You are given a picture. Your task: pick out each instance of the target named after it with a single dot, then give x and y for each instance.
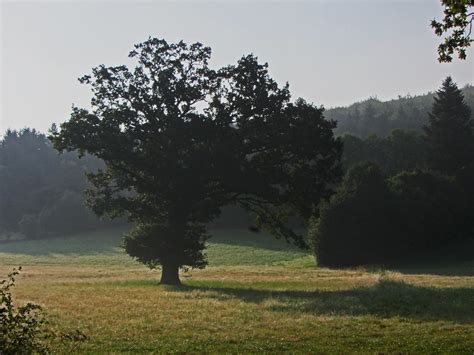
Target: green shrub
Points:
(430, 210)
(354, 227)
(370, 220)
(20, 327)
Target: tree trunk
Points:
(170, 275)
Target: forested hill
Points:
(380, 118)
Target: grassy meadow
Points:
(257, 294)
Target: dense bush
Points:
(431, 210)
(370, 220)
(465, 178)
(354, 226)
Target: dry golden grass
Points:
(254, 309)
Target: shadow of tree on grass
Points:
(385, 299)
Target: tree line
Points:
(374, 117)
(41, 191)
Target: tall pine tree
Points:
(450, 130)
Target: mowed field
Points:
(257, 294)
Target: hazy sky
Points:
(331, 52)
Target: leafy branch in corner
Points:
(456, 26)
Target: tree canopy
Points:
(181, 140)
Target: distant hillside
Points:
(376, 117)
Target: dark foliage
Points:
(450, 132)
(456, 26)
(354, 227)
(181, 141)
(464, 179)
(401, 150)
(144, 245)
(431, 211)
(370, 220)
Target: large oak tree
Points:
(181, 140)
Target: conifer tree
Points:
(450, 130)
